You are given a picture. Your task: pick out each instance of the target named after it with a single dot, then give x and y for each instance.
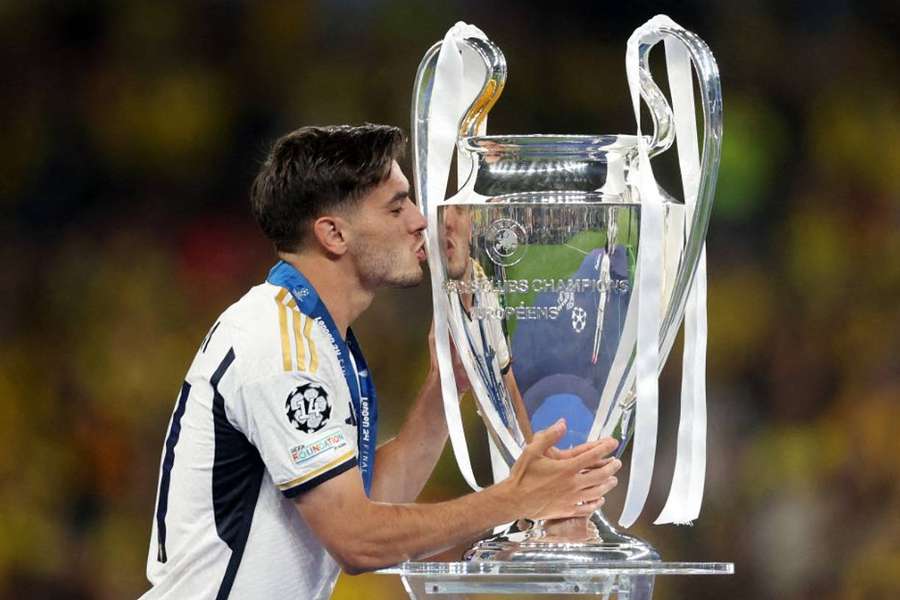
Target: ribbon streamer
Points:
(649, 301)
(685, 495)
(449, 102)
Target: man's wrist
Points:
(504, 500)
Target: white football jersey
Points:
(263, 415)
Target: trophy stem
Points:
(575, 529)
(582, 540)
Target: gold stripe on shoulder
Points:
(299, 336)
(313, 355)
(282, 326)
(298, 339)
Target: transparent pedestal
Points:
(619, 580)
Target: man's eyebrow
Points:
(399, 197)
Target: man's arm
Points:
(364, 535)
(403, 464)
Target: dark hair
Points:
(317, 169)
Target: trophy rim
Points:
(552, 143)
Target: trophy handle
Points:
(472, 119)
(660, 112)
(495, 70)
(438, 122)
(711, 100)
(421, 102)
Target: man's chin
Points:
(407, 280)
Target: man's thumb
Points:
(543, 440)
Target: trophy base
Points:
(577, 540)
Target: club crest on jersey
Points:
(308, 407)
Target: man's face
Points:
(457, 231)
(388, 244)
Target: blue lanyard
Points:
(356, 372)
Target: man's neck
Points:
(338, 287)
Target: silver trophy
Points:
(535, 265)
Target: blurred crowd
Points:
(132, 130)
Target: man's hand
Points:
(548, 483)
(362, 534)
(459, 372)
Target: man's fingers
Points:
(593, 477)
(592, 494)
(543, 440)
(573, 451)
(587, 509)
(595, 455)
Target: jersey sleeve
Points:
(303, 427)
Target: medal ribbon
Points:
(359, 381)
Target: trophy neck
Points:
(516, 164)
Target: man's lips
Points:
(420, 253)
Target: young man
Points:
(270, 481)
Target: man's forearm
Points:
(414, 531)
(362, 534)
(403, 465)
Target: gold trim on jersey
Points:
(299, 335)
(304, 478)
(282, 326)
(313, 355)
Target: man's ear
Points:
(330, 231)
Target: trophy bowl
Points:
(534, 263)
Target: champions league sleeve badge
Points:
(308, 407)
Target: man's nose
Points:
(419, 222)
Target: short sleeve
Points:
(303, 427)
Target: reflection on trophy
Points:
(560, 258)
(485, 341)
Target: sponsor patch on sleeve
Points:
(333, 439)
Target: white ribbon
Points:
(683, 503)
(649, 301)
(451, 95)
(686, 493)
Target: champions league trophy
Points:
(555, 257)
(563, 274)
